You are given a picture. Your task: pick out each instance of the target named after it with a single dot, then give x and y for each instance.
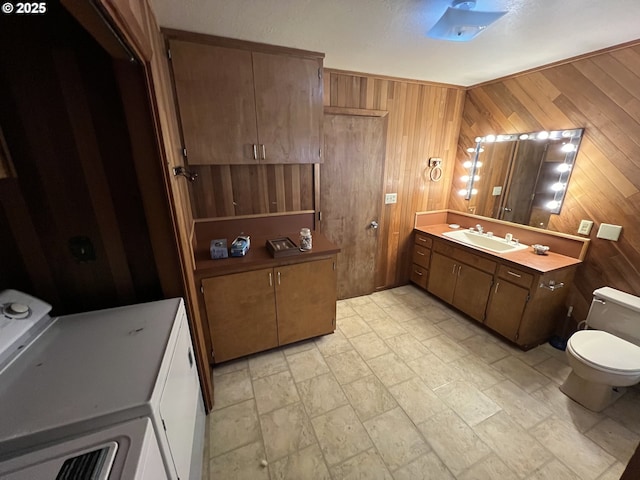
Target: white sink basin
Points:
(495, 244)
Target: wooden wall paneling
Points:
(601, 93)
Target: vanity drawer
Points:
(421, 256)
(463, 256)
(419, 276)
(516, 276)
(423, 240)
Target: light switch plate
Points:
(390, 198)
(497, 191)
(609, 232)
(585, 227)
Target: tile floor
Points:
(407, 388)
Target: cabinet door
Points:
(505, 309)
(242, 313)
(306, 296)
(214, 86)
(472, 291)
(288, 93)
(442, 277)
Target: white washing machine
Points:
(81, 379)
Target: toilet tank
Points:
(615, 312)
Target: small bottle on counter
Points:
(305, 239)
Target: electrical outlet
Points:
(390, 198)
(585, 227)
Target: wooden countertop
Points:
(525, 258)
(258, 256)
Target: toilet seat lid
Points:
(606, 351)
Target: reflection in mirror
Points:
(520, 178)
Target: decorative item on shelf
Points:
(240, 246)
(282, 247)
(218, 248)
(306, 242)
(540, 249)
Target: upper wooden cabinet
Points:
(241, 105)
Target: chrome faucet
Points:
(479, 228)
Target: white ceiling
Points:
(388, 37)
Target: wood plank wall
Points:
(423, 122)
(602, 94)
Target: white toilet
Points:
(606, 357)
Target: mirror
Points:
(520, 178)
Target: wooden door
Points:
(351, 196)
(241, 311)
(306, 296)
(214, 86)
(505, 308)
(288, 96)
(472, 291)
(442, 277)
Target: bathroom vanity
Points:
(517, 294)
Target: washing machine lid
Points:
(606, 351)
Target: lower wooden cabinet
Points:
(505, 308)
(257, 310)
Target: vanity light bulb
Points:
(543, 135)
(478, 139)
(462, 192)
(464, 178)
(556, 187)
(471, 149)
(564, 167)
(490, 138)
(478, 164)
(553, 204)
(524, 136)
(467, 164)
(473, 191)
(568, 147)
(476, 178)
(480, 150)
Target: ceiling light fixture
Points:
(460, 23)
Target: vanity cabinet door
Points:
(442, 277)
(505, 309)
(472, 291)
(241, 310)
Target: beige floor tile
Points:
(454, 441)
(565, 408)
(387, 327)
(531, 357)
(307, 463)
(385, 298)
(366, 465)
(396, 438)
(400, 313)
(333, 344)
(307, 364)
(230, 366)
(521, 374)
(467, 401)
(240, 464)
(434, 313)
(456, 329)
(407, 347)
(340, 434)
(516, 448)
(353, 326)
(476, 372)
(301, 346)
(348, 366)
(267, 363)
(626, 410)
(583, 456)
(526, 410)
(286, 431)
(445, 349)
(232, 388)
(275, 391)
(554, 470)
(614, 472)
(369, 345)
(421, 329)
(426, 467)
(344, 310)
(433, 372)
(321, 394)
(489, 468)
(488, 350)
(361, 300)
(370, 311)
(615, 439)
(554, 369)
(369, 397)
(417, 400)
(232, 427)
(390, 369)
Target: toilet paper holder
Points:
(552, 285)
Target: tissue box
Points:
(240, 246)
(218, 248)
